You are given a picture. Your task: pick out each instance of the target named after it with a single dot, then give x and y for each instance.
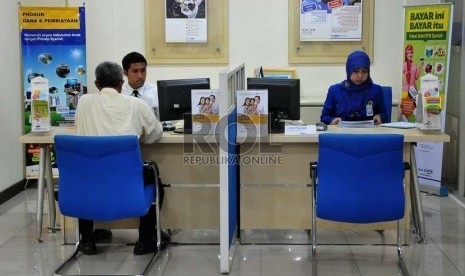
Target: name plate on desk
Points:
(300, 129)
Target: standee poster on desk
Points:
(426, 53)
(205, 111)
(53, 46)
(252, 113)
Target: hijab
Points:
(357, 60)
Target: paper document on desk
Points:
(358, 124)
(400, 125)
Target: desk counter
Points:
(275, 193)
(410, 135)
(167, 138)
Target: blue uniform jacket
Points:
(351, 105)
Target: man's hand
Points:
(377, 119)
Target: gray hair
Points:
(109, 74)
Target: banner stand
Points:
(426, 54)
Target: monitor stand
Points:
(276, 130)
(178, 130)
(276, 125)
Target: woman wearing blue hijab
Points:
(357, 98)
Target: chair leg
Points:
(73, 256)
(400, 251)
(313, 174)
(157, 216)
(153, 167)
(157, 212)
(313, 231)
(68, 261)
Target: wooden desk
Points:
(277, 194)
(192, 199)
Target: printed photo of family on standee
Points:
(252, 102)
(205, 111)
(253, 105)
(252, 112)
(205, 105)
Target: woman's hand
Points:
(336, 121)
(377, 119)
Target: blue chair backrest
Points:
(100, 177)
(387, 96)
(360, 177)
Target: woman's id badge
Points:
(369, 108)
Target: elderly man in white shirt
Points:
(108, 112)
(135, 70)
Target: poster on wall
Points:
(53, 46)
(424, 83)
(335, 20)
(186, 21)
(205, 111)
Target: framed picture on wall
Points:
(178, 32)
(279, 73)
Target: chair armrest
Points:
(152, 165)
(406, 167)
(313, 170)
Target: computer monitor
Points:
(174, 96)
(283, 96)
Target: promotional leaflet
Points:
(252, 113)
(40, 105)
(186, 21)
(205, 111)
(337, 20)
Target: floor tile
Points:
(263, 252)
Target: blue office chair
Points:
(101, 178)
(359, 179)
(387, 97)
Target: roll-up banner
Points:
(424, 84)
(53, 42)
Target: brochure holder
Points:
(40, 105)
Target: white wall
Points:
(257, 36)
(11, 160)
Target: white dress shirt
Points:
(148, 92)
(111, 113)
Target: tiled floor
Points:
(443, 254)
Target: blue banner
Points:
(53, 41)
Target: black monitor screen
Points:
(174, 96)
(283, 95)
